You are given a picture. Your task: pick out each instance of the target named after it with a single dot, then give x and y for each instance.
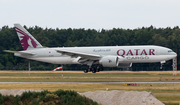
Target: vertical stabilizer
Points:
(26, 39)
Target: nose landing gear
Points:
(161, 67)
(162, 62)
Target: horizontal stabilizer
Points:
(19, 52)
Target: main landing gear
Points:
(94, 70)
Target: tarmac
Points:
(89, 82)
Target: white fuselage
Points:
(127, 54)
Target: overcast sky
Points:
(93, 14)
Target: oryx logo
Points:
(110, 60)
(25, 39)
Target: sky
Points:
(93, 14)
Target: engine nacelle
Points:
(114, 61)
(124, 65)
(109, 61)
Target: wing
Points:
(83, 58)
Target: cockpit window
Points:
(170, 51)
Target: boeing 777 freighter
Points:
(107, 56)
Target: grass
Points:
(115, 76)
(168, 93)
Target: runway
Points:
(88, 82)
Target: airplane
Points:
(107, 56)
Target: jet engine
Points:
(109, 61)
(114, 61)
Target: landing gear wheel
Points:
(86, 71)
(93, 70)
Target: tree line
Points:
(48, 37)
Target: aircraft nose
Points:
(171, 54)
(174, 54)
